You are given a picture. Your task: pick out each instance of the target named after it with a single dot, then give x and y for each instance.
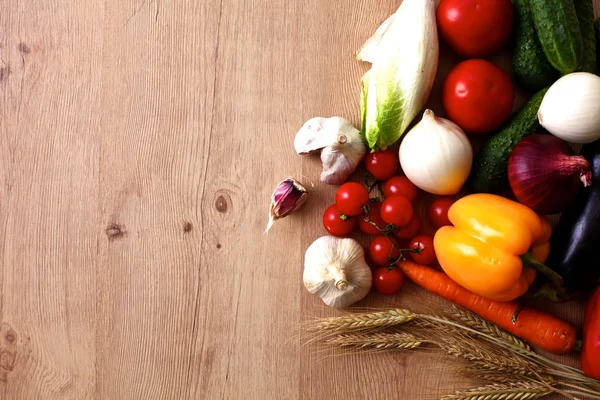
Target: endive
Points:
(404, 53)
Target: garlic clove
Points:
(316, 134)
(342, 144)
(288, 197)
(335, 270)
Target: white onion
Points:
(571, 108)
(436, 155)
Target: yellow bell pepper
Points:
(486, 248)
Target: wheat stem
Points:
(582, 389)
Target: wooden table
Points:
(140, 142)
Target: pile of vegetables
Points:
(493, 246)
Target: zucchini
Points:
(532, 69)
(489, 171)
(585, 14)
(558, 30)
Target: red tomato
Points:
(438, 212)
(382, 164)
(397, 210)
(388, 281)
(427, 254)
(374, 216)
(475, 28)
(350, 198)
(335, 225)
(410, 230)
(477, 96)
(400, 185)
(382, 252)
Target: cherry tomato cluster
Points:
(388, 221)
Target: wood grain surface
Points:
(140, 141)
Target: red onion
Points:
(545, 174)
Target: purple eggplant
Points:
(575, 245)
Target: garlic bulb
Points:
(335, 270)
(570, 109)
(436, 155)
(343, 147)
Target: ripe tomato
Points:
(388, 281)
(350, 198)
(475, 28)
(478, 96)
(397, 210)
(427, 254)
(335, 225)
(374, 216)
(382, 164)
(381, 251)
(400, 185)
(410, 230)
(438, 212)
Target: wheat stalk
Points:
(362, 321)
(484, 326)
(379, 341)
(502, 391)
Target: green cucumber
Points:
(558, 29)
(489, 172)
(532, 69)
(585, 14)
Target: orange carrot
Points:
(538, 328)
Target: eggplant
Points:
(575, 244)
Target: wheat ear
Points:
(476, 322)
(364, 321)
(379, 341)
(502, 391)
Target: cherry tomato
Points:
(374, 216)
(397, 210)
(400, 185)
(410, 230)
(477, 96)
(350, 198)
(438, 212)
(335, 224)
(381, 251)
(427, 254)
(382, 164)
(388, 281)
(475, 28)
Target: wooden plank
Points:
(157, 107)
(49, 175)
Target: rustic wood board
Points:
(140, 142)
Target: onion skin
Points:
(545, 174)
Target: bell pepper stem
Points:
(578, 345)
(530, 261)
